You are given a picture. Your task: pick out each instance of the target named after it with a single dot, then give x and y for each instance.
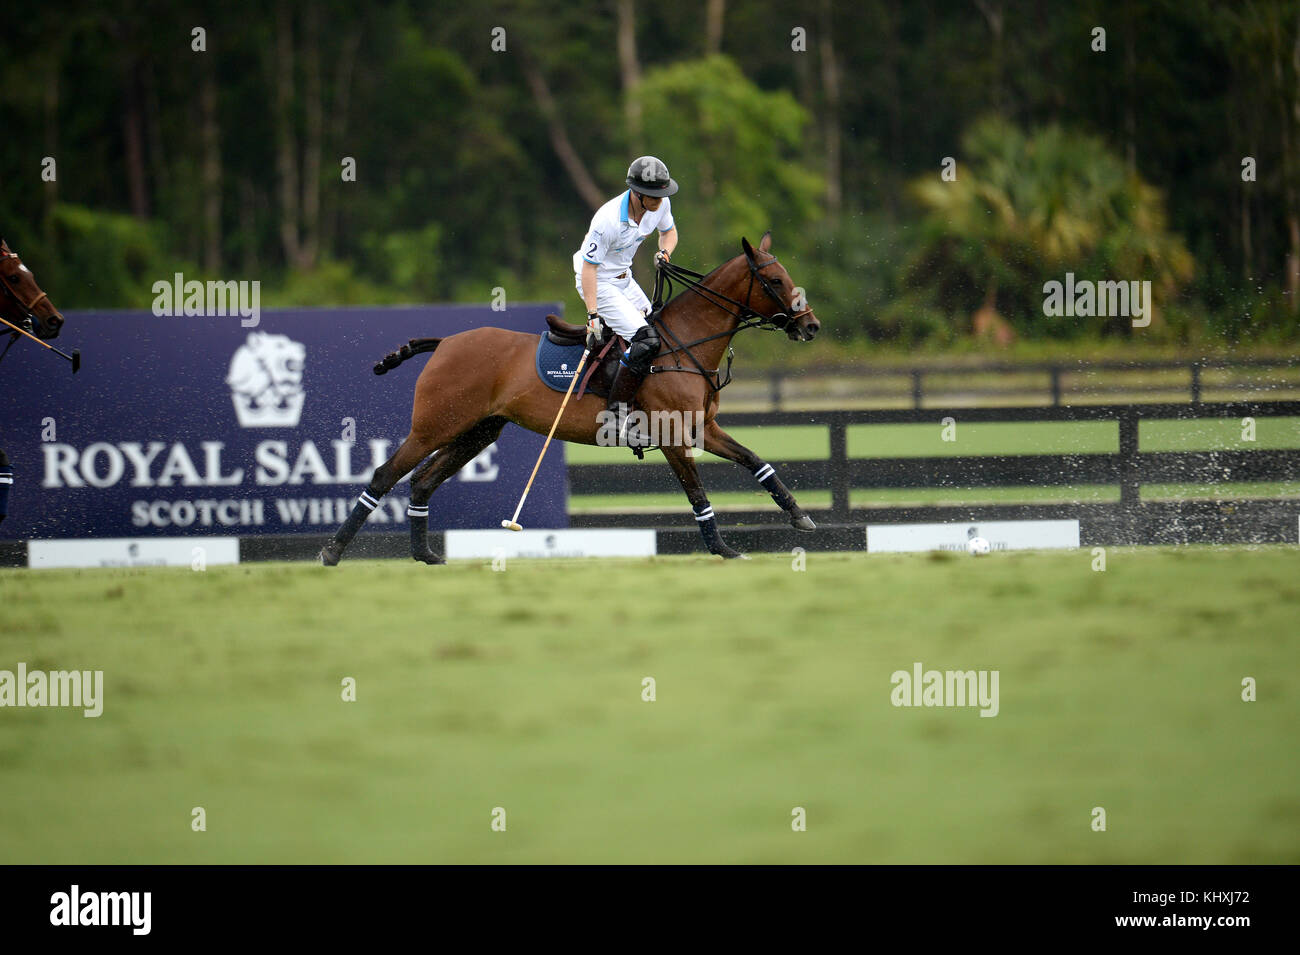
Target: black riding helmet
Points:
(649, 177)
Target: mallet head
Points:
(512, 526)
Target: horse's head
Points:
(22, 299)
(773, 293)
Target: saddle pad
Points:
(556, 364)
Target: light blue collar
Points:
(622, 212)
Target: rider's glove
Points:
(594, 331)
(660, 258)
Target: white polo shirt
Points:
(612, 240)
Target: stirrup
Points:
(627, 435)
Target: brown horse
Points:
(23, 305)
(478, 380)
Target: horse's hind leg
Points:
(717, 441)
(411, 452)
(689, 477)
(437, 469)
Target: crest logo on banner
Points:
(265, 381)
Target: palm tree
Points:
(1024, 209)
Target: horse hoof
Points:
(726, 553)
(331, 554)
(802, 522)
(429, 557)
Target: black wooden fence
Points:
(1129, 466)
(913, 381)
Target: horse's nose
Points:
(55, 320)
(812, 328)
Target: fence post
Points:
(1129, 483)
(1196, 382)
(1056, 385)
(916, 388)
(776, 391)
(839, 465)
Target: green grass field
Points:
(479, 689)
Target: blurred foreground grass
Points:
(478, 689)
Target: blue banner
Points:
(197, 425)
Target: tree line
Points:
(408, 151)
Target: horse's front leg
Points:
(717, 441)
(689, 477)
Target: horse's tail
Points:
(416, 346)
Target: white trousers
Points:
(621, 304)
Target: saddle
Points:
(573, 338)
(562, 333)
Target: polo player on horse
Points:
(603, 275)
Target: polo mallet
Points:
(513, 524)
(75, 357)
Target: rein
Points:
(13, 337)
(746, 315)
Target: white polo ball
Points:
(977, 546)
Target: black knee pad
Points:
(643, 349)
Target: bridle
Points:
(28, 307)
(756, 274)
(747, 316)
